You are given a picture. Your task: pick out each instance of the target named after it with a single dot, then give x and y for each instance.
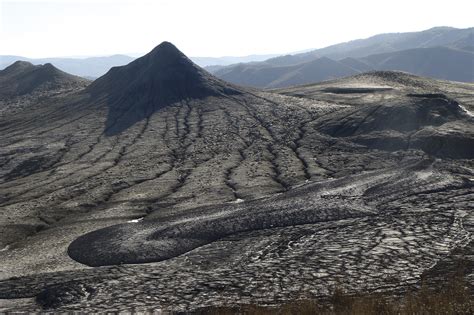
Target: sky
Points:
(210, 28)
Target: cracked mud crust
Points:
(238, 196)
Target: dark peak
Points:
(18, 66)
(166, 47)
(49, 72)
(22, 67)
(162, 77)
(49, 66)
(165, 55)
(22, 77)
(22, 63)
(50, 69)
(164, 72)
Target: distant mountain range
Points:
(89, 68)
(94, 67)
(441, 52)
(228, 60)
(385, 43)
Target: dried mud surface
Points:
(235, 198)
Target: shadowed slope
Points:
(162, 77)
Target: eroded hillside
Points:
(221, 194)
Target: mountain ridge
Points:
(387, 42)
(162, 77)
(357, 54)
(23, 77)
(431, 62)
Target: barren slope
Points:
(231, 195)
(24, 78)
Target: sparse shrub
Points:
(455, 297)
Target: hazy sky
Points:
(211, 27)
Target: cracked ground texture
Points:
(249, 197)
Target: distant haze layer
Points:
(440, 52)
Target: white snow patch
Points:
(135, 220)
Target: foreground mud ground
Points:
(252, 198)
